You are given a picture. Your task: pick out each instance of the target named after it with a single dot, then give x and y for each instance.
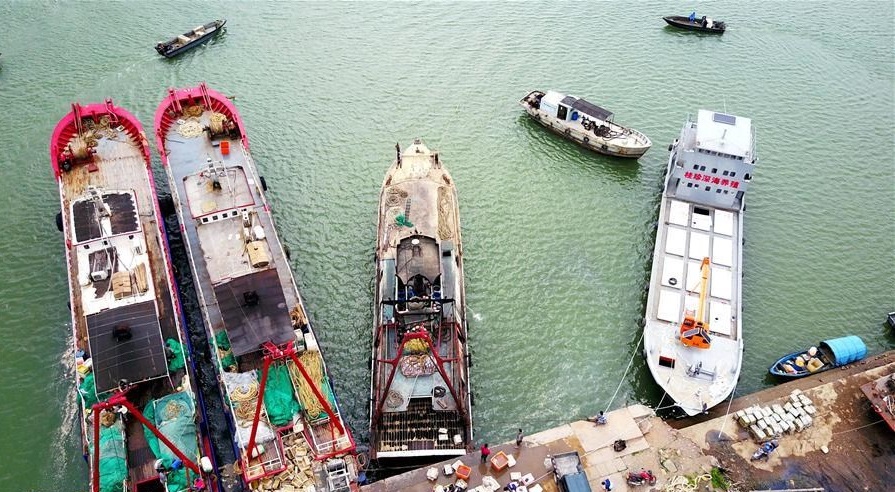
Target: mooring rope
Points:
(634, 354)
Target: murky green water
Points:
(558, 240)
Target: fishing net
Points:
(279, 397)
(313, 365)
(178, 361)
(416, 346)
(228, 360)
(242, 390)
(417, 365)
(112, 457)
(174, 416)
(190, 129)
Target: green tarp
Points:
(175, 417)
(279, 397)
(112, 456)
(223, 343)
(178, 362)
(87, 390)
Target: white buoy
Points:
(205, 463)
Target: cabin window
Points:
(702, 168)
(696, 167)
(725, 192)
(666, 361)
(562, 112)
(204, 220)
(724, 173)
(733, 173)
(708, 188)
(717, 190)
(689, 185)
(714, 170)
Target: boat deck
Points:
(687, 234)
(418, 411)
(214, 230)
(122, 236)
(242, 276)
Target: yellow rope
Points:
(195, 110)
(313, 365)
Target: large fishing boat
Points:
(693, 339)
(136, 393)
(585, 123)
(272, 374)
(420, 398)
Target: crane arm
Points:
(703, 292)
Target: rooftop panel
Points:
(137, 354)
(251, 320)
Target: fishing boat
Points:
(288, 426)
(133, 370)
(703, 24)
(420, 393)
(692, 336)
(190, 39)
(881, 395)
(827, 355)
(584, 123)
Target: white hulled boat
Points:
(693, 340)
(585, 123)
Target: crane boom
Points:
(694, 330)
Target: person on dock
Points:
(485, 452)
(607, 485)
(519, 437)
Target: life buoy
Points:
(568, 131)
(586, 140)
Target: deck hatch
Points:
(254, 311)
(136, 358)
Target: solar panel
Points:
(725, 118)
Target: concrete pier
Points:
(847, 447)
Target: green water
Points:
(558, 239)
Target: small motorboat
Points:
(703, 24)
(189, 39)
(832, 353)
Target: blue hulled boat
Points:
(829, 354)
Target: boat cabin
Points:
(714, 161)
(117, 294)
(571, 108)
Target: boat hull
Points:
(249, 300)
(423, 195)
(121, 163)
(585, 138)
(192, 44)
(685, 23)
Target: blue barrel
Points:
(846, 350)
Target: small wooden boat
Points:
(703, 24)
(829, 354)
(189, 39)
(585, 123)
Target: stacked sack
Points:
(765, 422)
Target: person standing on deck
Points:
(485, 452)
(519, 437)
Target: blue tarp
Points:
(576, 482)
(846, 350)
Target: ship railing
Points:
(327, 449)
(265, 466)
